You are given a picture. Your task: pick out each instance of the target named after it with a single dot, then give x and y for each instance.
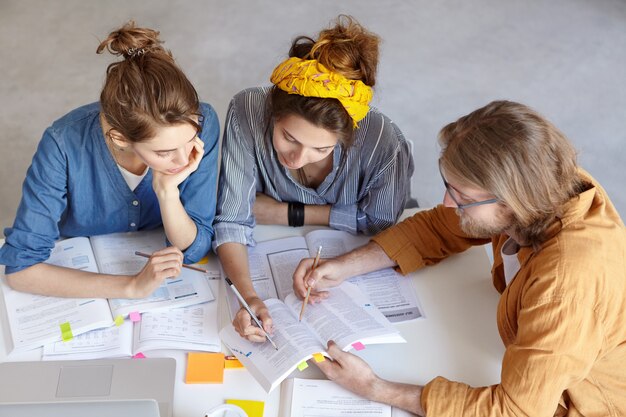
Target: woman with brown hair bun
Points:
(309, 150)
(145, 155)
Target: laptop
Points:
(102, 388)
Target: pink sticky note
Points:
(134, 316)
(139, 355)
(358, 346)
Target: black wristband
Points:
(295, 214)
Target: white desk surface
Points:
(458, 339)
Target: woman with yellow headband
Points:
(309, 150)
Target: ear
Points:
(119, 141)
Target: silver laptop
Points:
(103, 388)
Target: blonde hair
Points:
(511, 151)
(146, 89)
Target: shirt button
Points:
(135, 203)
(133, 225)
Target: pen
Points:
(308, 291)
(247, 307)
(195, 268)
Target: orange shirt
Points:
(562, 318)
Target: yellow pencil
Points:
(308, 291)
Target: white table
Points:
(458, 339)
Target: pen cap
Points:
(228, 281)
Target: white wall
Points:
(440, 60)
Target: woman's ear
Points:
(118, 140)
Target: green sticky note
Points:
(252, 408)
(303, 365)
(119, 320)
(66, 331)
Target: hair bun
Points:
(346, 47)
(132, 41)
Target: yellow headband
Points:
(309, 78)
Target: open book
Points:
(37, 320)
(273, 262)
(347, 317)
(187, 328)
(323, 398)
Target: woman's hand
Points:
(244, 325)
(327, 274)
(164, 183)
(164, 263)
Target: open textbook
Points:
(273, 262)
(37, 320)
(347, 317)
(187, 328)
(323, 398)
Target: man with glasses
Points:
(511, 179)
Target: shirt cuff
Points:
(232, 233)
(399, 248)
(200, 246)
(343, 217)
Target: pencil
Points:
(308, 291)
(195, 268)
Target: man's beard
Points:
(483, 230)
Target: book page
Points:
(272, 264)
(109, 342)
(266, 364)
(323, 398)
(390, 292)
(346, 316)
(115, 254)
(188, 328)
(35, 319)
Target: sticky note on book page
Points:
(204, 368)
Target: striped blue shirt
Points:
(367, 187)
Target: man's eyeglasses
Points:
(454, 195)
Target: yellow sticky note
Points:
(66, 331)
(319, 357)
(232, 362)
(119, 320)
(205, 368)
(252, 408)
(303, 365)
(204, 260)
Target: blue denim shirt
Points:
(74, 188)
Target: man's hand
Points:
(269, 211)
(349, 371)
(164, 263)
(352, 373)
(243, 321)
(327, 274)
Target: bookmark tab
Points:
(231, 362)
(319, 357)
(66, 331)
(205, 368)
(139, 355)
(358, 346)
(119, 320)
(303, 365)
(252, 408)
(204, 260)
(134, 316)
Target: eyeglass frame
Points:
(451, 194)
